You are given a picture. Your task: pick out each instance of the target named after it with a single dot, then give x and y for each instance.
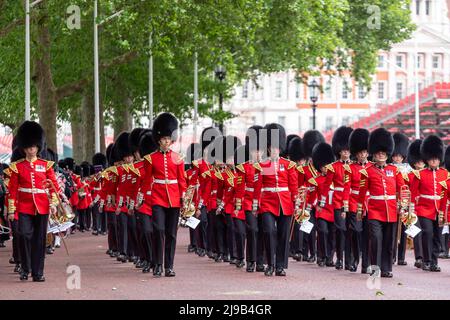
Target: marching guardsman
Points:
(338, 176)
(28, 191)
(445, 209)
(277, 192)
(99, 161)
(165, 169)
(84, 196)
(417, 164)
(305, 173)
(401, 143)
(322, 156)
(358, 143)
(428, 186)
(144, 205)
(295, 153)
(384, 182)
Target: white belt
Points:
(97, 189)
(275, 189)
(357, 192)
(33, 190)
(311, 189)
(249, 189)
(167, 181)
(214, 192)
(386, 197)
(339, 189)
(426, 196)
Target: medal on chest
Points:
(389, 173)
(40, 168)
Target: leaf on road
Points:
(379, 293)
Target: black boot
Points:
(250, 267)
(157, 271)
(338, 265)
(240, 264)
(260, 268)
(269, 271)
(169, 273)
(280, 272)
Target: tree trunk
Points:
(43, 79)
(88, 123)
(123, 120)
(77, 137)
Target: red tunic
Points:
(320, 189)
(108, 192)
(233, 192)
(249, 176)
(27, 186)
(337, 174)
(354, 181)
(305, 173)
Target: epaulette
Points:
(405, 177)
(347, 168)
(148, 158)
(218, 175)
(113, 169)
(13, 166)
(135, 170)
(291, 164)
(257, 166)
(364, 172)
(443, 184)
(195, 163)
(416, 173)
(313, 181)
(241, 168)
(50, 164)
(206, 173)
(300, 169)
(329, 167)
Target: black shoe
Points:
(321, 263)
(352, 268)
(426, 267)
(219, 258)
(157, 271)
(49, 250)
(82, 231)
(210, 254)
(297, 257)
(17, 268)
(329, 263)
(386, 274)
(260, 268)
(226, 258)
(146, 269)
(442, 255)
(240, 264)
(233, 261)
(418, 263)
(250, 267)
(122, 258)
(280, 272)
(191, 248)
(2, 244)
(312, 259)
(169, 273)
(23, 276)
(109, 252)
(304, 258)
(202, 253)
(347, 267)
(12, 261)
(269, 271)
(39, 279)
(435, 268)
(140, 264)
(338, 265)
(402, 263)
(134, 259)
(95, 233)
(103, 233)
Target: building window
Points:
(420, 61)
(399, 60)
(311, 122)
(427, 7)
(345, 90)
(282, 120)
(297, 90)
(381, 90)
(253, 120)
(245, 90)
(399, 90)
(278, 85)
(361, 92)
(328, 123)
(345, 121)
(436, 62)
(417, 7)
(299, 124)
(381, 62)
(328, 92)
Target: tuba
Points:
(188, 209)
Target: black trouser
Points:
(295, 246)
(352, 240)
(260, 248)
(211, 231)
(165, 225)
(145, 227)
(310, 240)
(113, 243)
(341, 229)
(122, 233)
(252, 236)
(88, 218)
(134, 247)
(325, 231)
(16, 241)
(399, 244)
(192, 237)
(276, 238)
(202, 235)
(430, 240)
(221, 227)
(239, 235)
(100, 218)
(381, 238)
(418, 249)
(365, 244)
(230, 236)
(444, 243)
(82, 219)
(33, 232)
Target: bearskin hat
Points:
(133, 139)
(414, 152)
(252, 138)
(226, 147)
(447, 158)
(358, 140)
(208, 136)
(85, 169)
(432, 147)
(340, 140)
(288, 140)
(401, 143)
(121, 146)
(310, 139)
(322, 155)
(241, 155)
(109, 154)
(381, 140)
(30, 133)
(78, 170)
(99, 159)
(147, 144)
(17, 154)
(165, 125)
(295, 149)
(51, 155)
(62, 164)
(70, 164)
(193, 152)
(276, 136)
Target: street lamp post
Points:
(314, 96)
(220, 74)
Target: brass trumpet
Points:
(188, 209)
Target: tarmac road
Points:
(103, 277)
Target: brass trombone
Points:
(300, 215)
(188, 209)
